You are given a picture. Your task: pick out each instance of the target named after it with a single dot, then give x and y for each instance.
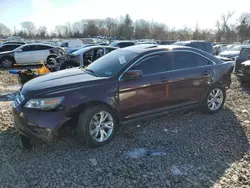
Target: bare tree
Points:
(226, 27)
(158, 31)
(91, 28)
(29, 27)
(111, 26)
(42, 31)
(60, 31)
(142, 29)
(243, 27)
(4, 30)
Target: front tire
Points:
(97, 126)
(7, 62)
(213, 100)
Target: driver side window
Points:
(155, 64)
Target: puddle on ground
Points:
(142, 152)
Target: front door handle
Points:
(163, 80)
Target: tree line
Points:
(126, 28)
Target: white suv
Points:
(30, 54)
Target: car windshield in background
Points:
(110, 64)
(113, 44)
(180, 43)
(236, 48)
(80, 51)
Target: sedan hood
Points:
(246, 63)
(229, 53)
(58, 81)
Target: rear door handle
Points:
(163, 80)
(206, 73)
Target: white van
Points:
(71, 44)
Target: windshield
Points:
(180, 43)
(110, 64)
(236, 48)
(81, 50)
(64, 44)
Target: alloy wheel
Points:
(101, 126)
(7, 63)
(215, 99)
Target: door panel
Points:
(198, 72)
(179, 88)
(141, 96)
(24, 57)
(40, 55)
(200, 80)
(148, 94)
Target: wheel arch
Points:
(82, 107)
(50, 56)
(8, 56)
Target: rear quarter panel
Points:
(223, 73)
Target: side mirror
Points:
(132, 75)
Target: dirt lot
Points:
(179, 150)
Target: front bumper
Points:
(37, 125)
(243, 78)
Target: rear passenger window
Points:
(183, 60)
(109, 50)
(201, 61)
(125, 44)
(43, 47)
(155, 64)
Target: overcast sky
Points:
(175, 13)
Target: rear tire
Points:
(69, 64)
(213, 100)
(97, 126)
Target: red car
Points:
(128, 84)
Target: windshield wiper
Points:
(93, 72)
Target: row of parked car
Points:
(22, 54)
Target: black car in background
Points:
(202, 45)
(122, 43)
(243, 56)
(9, 47)
(12, 42)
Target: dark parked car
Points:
(243, 56)
(13, 42)
(122, 43)
(233, 52)
(243, 74)
(9, 47)
(126, 85)
(202, 45)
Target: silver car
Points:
(86, 56)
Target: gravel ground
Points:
(178, 150)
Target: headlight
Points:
(44, 104)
